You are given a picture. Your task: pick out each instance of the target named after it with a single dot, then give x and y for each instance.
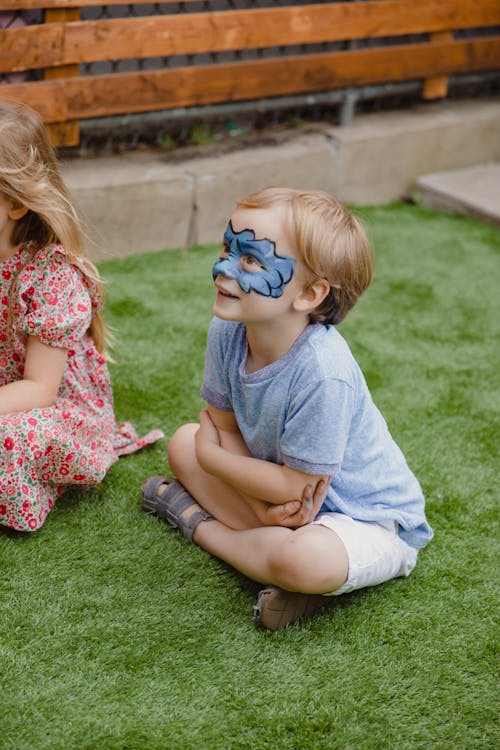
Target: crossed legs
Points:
(310, 559)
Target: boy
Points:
(291, 476)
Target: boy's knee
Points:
(310, 561)
(181, 453)
(286, 566)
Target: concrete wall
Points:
(140, 202)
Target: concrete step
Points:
(472, 191)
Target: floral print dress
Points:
(76, 440)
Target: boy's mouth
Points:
(224, 293)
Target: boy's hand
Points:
(299, 513)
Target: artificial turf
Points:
(116, 634)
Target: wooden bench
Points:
(64, 42)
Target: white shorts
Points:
(375, 551)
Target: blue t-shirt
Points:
(312, 410)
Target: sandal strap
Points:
(171, 505)
(150, 489)
(188, 527)
(179, 500)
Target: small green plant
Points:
(166, 142)
(202, 135)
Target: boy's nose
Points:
(225, 268)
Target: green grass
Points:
(116, 634)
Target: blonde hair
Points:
(329, 240)
(29, 176)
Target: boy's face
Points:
(256, 274)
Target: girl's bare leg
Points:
(311, 559)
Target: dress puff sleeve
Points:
(55, 300)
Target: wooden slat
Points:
(437, 86)
(157, 36)
(441, 7)
(64, 133)
(97, 96)
(34, 4)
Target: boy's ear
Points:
(312, 296)
(17, 210)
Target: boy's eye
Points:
(250, 263)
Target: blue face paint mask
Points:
(270, 280)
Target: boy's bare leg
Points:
(220, 500)
(311, 559)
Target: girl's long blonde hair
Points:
(29, 175)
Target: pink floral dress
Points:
(76, 440)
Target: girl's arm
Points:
(43, 371)
(253, 477)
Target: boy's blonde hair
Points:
(29, 175)
(329, 240)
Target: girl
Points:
(57, 425)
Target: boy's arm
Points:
(252, 477)
(292, 513)
(230, 437)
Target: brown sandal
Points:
(276, 608)
(171, 505)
